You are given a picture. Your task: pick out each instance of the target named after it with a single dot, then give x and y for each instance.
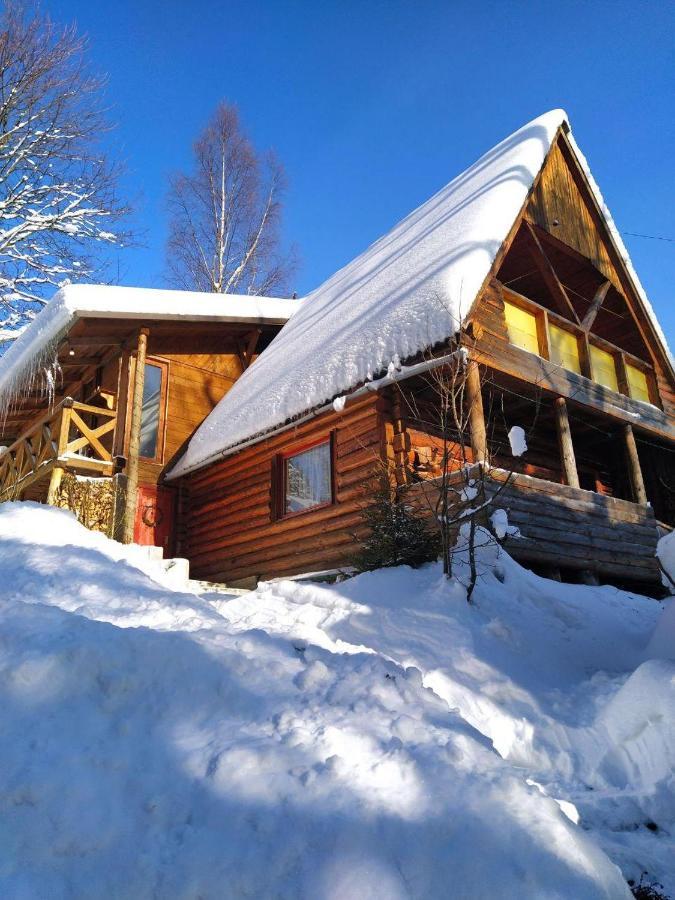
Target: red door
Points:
(154, 517)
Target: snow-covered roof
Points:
(409, 291)
(82, 301)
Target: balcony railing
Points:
(60, 439)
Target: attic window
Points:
(564, 348)
(307, 478)
(603, 367)
(522, 327)
(638, 386)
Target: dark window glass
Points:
(152, 391)
(308, 479)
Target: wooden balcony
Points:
(567, 529)
(62, 440)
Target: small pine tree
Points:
(397, 535)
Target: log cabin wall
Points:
(229, 527)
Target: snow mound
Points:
(376, 738)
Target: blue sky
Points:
(373, 106)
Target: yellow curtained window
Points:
(603, 367)
(637, 383)
(522, 326)
(564, 349)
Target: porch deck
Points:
(60, 441)
(570, 528)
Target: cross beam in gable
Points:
(594, 308)
(548, 273)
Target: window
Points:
(151, 412)
(522, 327)
(603, 367)
(307, 479)
(638, 386)
(564, 349)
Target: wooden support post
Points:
(569, 463)
(61, 444)
(476, 414)
(135, 437)
(637, 483)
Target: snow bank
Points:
(298, 741)
(666, 553)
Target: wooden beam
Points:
(73, 362)
(637, 483)
(567, 457)
(476, 414)
(61, 443)
(246, 353)
(135, 437)
(594, 309)
(92, 341)
(547, 271)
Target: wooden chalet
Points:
(111, 383)
(262, 470)
(566, 345)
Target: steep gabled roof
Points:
(86, 301)
(409, 291)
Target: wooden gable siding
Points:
(227, 526)
(560, 196)
(494, 350)
(195, 384)
(557, 197)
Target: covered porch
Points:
(585, 509)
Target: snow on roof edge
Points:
(76, 301)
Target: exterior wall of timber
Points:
(227, 522)
(568, 528)
(195, 384)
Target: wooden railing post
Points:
(567, 457)
(476, 414)
(637, 483)
(135, 437)
(61, 444)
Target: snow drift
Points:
(377, 738)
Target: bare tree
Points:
(58, 203)
(458, 491)
(225, 215)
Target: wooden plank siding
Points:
(562, 205)
(230, 533)
(195, 384)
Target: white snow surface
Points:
(666, 554)
(517, 440)
(375, 738)
(409, 291)
(76, 301)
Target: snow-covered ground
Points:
(376, 738)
